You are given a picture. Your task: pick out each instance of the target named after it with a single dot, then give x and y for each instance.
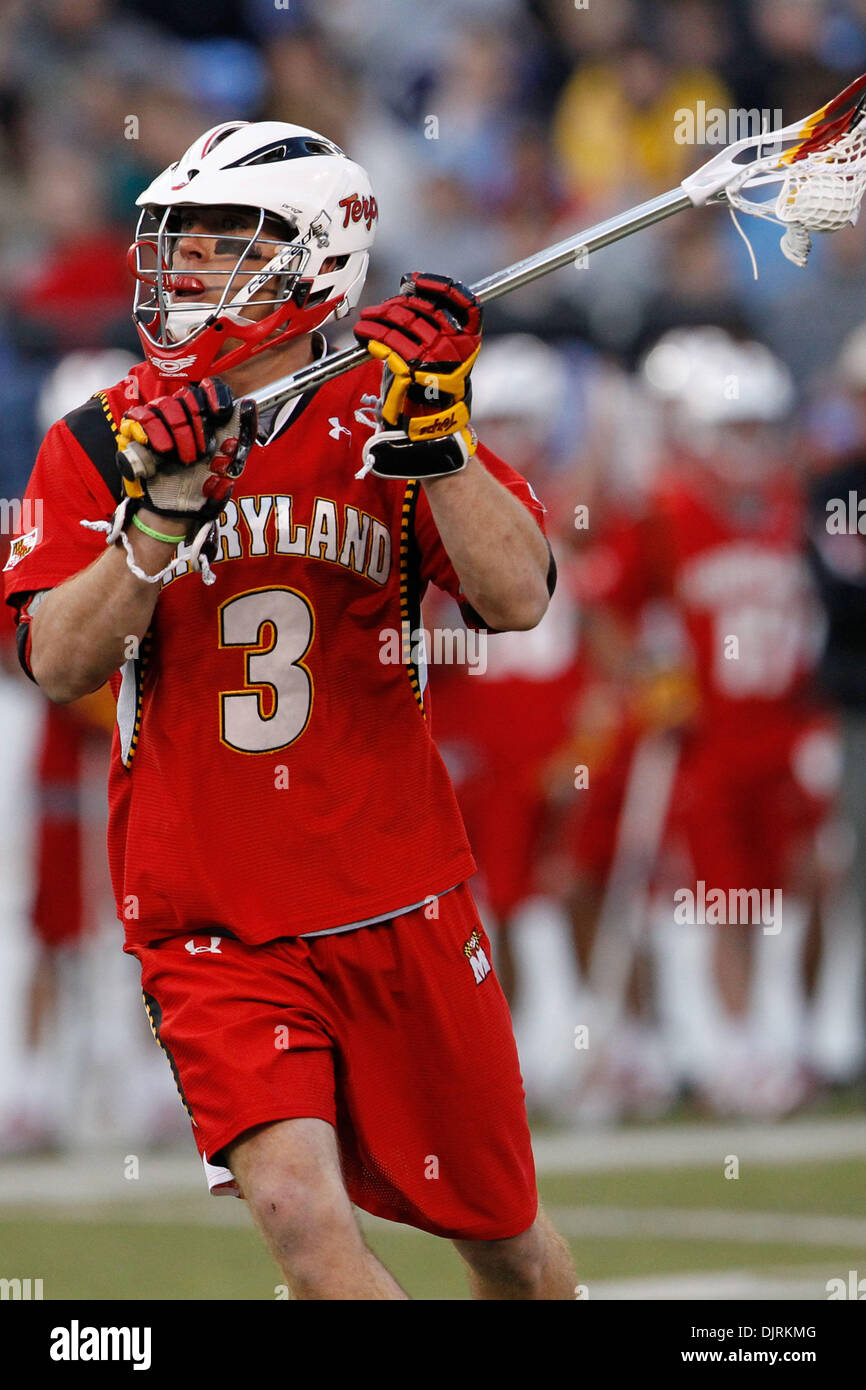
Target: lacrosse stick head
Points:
(816, 168)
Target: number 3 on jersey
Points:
(249, 721)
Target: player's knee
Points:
(290, 1176)
(521, 1272)
(297, 1208)
(517, 1264)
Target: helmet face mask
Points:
(297, 218)
(243, 278)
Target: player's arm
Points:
(428, 337)
(497, 549)
(179, 456)
(79, 633)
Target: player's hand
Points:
(665, 699)
(428, 338)
(181, 454)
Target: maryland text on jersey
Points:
(266, 524)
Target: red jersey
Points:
(739, 581)
(273, 770)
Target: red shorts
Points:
(746, 809)
(394, 1033)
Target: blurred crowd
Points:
(492, 128)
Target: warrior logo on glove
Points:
(180, 454)
(428, 338)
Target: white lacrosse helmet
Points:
(713, 379)
(312, 204)
(519, 377)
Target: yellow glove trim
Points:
(447, 383)
(450, 421)
(401, 380)
(128, 431)
(452, 383)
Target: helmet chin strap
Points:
(181, 323)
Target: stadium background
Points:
(490, 129)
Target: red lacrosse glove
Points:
(180, 454)
(428, 337)
(180, 428)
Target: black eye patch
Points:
(231, 246)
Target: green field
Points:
(783, 1227)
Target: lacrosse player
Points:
(288, 859)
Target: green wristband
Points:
(157, 535)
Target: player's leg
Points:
(433, 1132)
(289, 1173)
(245, 1030)
(535, 1265)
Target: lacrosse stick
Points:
(625, 907)
(820, 162)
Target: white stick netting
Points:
(820, 192)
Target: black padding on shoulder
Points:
(90, 426)
(551, 571)
(21, 644)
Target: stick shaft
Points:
(513, 277)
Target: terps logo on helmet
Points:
(356, 209)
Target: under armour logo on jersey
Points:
(337, 429)
(477, 957)
(212, 949)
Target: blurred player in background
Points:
(67, 1075)
(721, 548)
(838, 555)
(499, 725)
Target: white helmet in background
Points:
(713, 379)
(727, 401)
(518, 377)
(76, 377)
(313, 205)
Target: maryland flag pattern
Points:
(21, 548)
